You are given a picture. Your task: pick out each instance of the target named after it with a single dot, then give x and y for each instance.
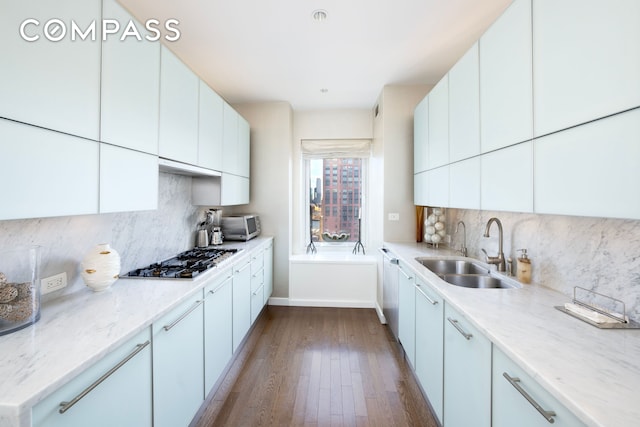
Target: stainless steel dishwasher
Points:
(390, 290)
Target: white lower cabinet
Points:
(268, 271)
(429, 344)
(218, 338)
(257, 283)
(118, 392)
(178, 364)
(518, 400)
(241, 301)
(407, 313)
(467, 373)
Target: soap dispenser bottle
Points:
(523, 267)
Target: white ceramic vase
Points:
(101, 267)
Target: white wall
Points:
(271, 133)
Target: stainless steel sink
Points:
(452, 266)
(478, 281)
(467, 274)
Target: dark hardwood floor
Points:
(305, 366)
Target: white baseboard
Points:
(323, 303)
(383, 319)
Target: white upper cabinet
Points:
(506, 179)
(210, 128)
(438, 183)
(421, 135)
(421, 189)
(234, 191)
(128, 180)
(179, 89)
(29, 188)
(590, 169)
(586, 61)
(464, 107)
(438, 129)
(244, 147)
(130, 87)
(506, 110)
(52, 84)
(230, 140)
(464, 184)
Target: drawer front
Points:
(518, 400)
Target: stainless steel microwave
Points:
(240, 227)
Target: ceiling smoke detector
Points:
(319, 15)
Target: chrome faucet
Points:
(463, 248)
(499, 260)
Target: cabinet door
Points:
(421, 189)
(506, 110)
(210, 128)
(586, 61)
(506, 182)
(268, 272)
(429, 344)
(511, 407)
(439, 186)
(438, 147)
(241, 301)
(421, 136)
(464, 184)
(589, 169)
(244, 147)
(47, 83)
(130, 87)
(46, 173)
(122, 398)
(230, 140)
(128, 180)
(407, 313)
(467, 373)
(235, 190)
(218, 320)
(464, 107)
(257, 294)
(178, 110)
(178, 364)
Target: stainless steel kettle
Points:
(202, 240)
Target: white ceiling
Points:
(272, 50)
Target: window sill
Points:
(333, 257)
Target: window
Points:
(340, 168)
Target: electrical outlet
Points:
(53, 283)
(394, 217)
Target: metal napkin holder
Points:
(620, 322)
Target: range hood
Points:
(178, 168)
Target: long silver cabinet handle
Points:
(548, 415)
(65, 406)
(247, 265)
(456, 325)
(433, 302)
(405, 274)
(185, 314)
(222, 285)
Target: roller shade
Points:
(335, 148)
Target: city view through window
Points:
(335, 199)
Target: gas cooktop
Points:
(185, 265)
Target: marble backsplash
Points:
(600, 254)
(139, 237)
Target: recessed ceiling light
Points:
(319, 15)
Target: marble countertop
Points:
(79, 329)
(594, 372)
